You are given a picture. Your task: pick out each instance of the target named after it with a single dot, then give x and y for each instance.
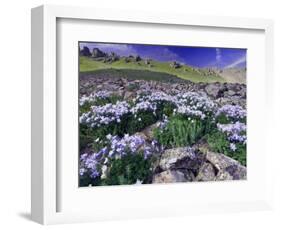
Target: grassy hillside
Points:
(133, 74)
(184, 72)
(234, 75)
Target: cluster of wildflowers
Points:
(103, 115)
(188, 111)
(194, 104)
(232, 111)
(190, 104)
(143, 106)
(130, 144)
(235, 133)
(89, 164)
(196, 101)
(103, 94)
(235, 130)
(157, 96)
(93, 163)
(152, 107)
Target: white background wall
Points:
(15, 112)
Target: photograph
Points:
(151, 114)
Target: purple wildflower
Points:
(232, 111)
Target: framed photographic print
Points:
(161, 114)
(138, 115)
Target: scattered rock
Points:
(227, 167)
(147, 61)
(181, 158)
(169, 176)
(206, 173)
(148, 131)
(213, 90)
(229, 93)
(198, 166)
(137, 58)
(128, 95)
(97, 53)
(112, 57)
(85, 52)
(175, 65)
(222, 175)
(235, 100)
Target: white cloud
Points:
(169, 54)
(162, 54)
(218, 55)
(236, 62)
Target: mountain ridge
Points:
(98, 60)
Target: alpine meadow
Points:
(161, 114)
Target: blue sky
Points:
(194, 56)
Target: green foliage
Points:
(133, 87)
(123, 171)
(103, 101)
(85, 108)
(85, 181)
(166, 108)
(128, 125)
(223, 119)
(218, 142)
(88, 135)
(128, 170)
(142, 120)
(181, 131)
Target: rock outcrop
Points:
(226, 167)
(85, 52)
(175, 65)
(221, 93)
(190, 164)
(169, 176)
(97, 53)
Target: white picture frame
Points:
(45, 168)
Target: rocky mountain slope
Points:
(98, 60)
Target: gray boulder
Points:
(175, 65)
(128, 95)
(228, 168)
(215, 90)
(137, 58)
(183, 158)
(169, 176)
(148, 131)
(147, 61)
(85, 52)
(206, 173)
(97, 53)
(112, 57)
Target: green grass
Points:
(129, 169)
(133, 74)
(181, 132)
(185, 72)
(218, 142)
